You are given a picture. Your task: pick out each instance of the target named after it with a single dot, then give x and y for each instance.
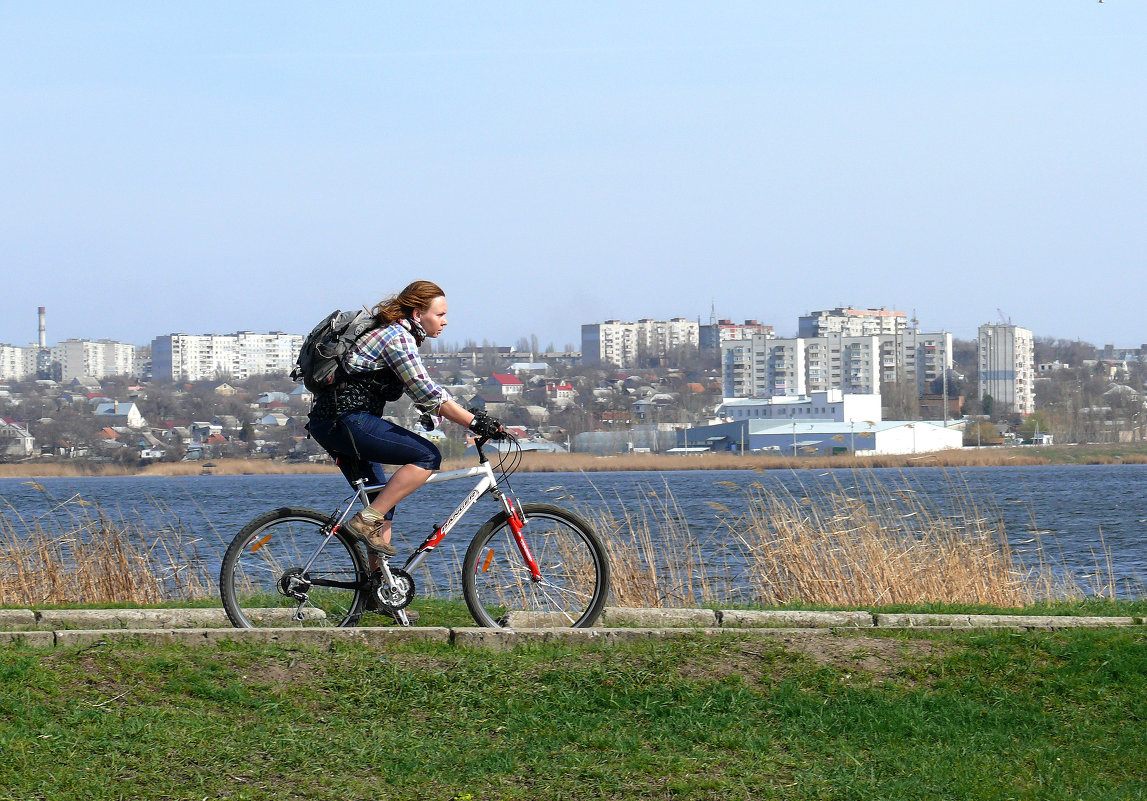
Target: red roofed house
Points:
(560, 391)
(505, 385)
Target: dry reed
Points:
(869, 544)
(824, 546)
(76, 553)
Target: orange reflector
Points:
(489, 559)
(260, 543)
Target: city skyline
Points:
(575, 338)
(214, 168)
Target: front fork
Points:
(517, 520)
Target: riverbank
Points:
(589, 463)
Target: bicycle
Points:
(530, 565)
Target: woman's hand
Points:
(486, 426)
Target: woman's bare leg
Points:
(405, 480)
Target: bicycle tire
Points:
(497, 585)
(255, 570)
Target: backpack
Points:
(319, 365)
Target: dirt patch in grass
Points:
(761, 661)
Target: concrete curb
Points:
(735, 618)
(321, 637)
(17, 619)
(508, 640)
(90, 628)
(1001, 621)
(52, 619)
(31, 639)
(658, 618)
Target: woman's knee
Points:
(432, 458)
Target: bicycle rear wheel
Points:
(263, 584)
(500, 590)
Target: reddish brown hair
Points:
(417, 295)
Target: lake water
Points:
(1079, 513)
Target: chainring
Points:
(402, 594)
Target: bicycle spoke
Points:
(569, 558)
(266, 586)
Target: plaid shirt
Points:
(394, 347)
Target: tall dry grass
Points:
(76, 553)
(868, 544)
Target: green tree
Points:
(1036, 423)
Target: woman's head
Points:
(424, 302)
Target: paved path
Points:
(87, 628)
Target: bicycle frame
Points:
(487, 483)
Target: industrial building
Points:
(823, 437)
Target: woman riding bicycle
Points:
(347, 419)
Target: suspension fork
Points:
(517, 521)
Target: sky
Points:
(210, 167)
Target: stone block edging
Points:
(17, 619)
(737, 618)
(322, 637)
(904, 620)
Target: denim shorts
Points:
(362, 443)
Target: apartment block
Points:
(19, 364)
(712, 335)
(627, 345)
(1007, 366)
(851, 322)
(762, 368)
(217, 357)
(78, 358)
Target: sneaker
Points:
(362, 530)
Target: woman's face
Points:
(433, 319)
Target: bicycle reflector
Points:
(489, 559)
(260, 543)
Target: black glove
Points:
(486, 426)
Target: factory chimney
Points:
(43, 330)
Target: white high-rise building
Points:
(1007, 366)
(764, 367)
(850, 322)
(18, 364)
(218, 357)
(633, 344)
(711, 336)
(80, 357)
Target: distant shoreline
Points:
(588, 463)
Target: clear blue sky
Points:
(207, 167)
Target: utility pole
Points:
(944, 369)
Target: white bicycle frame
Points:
(486, 484)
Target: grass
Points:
(863, 715)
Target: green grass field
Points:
(968, 715)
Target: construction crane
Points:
(1003, 318)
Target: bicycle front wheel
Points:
(264, 584)
(501, 590)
